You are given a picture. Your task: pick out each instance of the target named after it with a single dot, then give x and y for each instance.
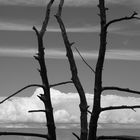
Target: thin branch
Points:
(24, 134)
(36, 31)
(59, 12)
(133, 16)
(118, 138)
(89, 112)
(78, 138)
(31, 111)
(46, 20)
(84, 60)
(121, 89)
(120, 107)
(32, 85)
(62, 83)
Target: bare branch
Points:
(133, 16)
(118, 138)
(62, 83)
(24, 134)
(31, 111)
(89, 112)
(36, 31)
(59, 12)
(121, 89)
(78, 138)
(46, 20)
(84, 60)
(32, 85)
(120, 107)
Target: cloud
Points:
(66, 108)
(114, 54)
(121, 116)
(29, 53)
(11, 26)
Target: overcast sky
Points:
(18, 44)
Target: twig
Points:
(62, 83)
(89, 112)
(76, 136)
(32, 85)
(118, 138)
(31, 111)
(121, 89)
(24, 134)
(133, 16)
(84, 60)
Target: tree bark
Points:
(98, 74)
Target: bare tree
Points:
(45, 98)
(86, 134)
(98, 87)
(69, 53)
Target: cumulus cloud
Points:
(66, 108)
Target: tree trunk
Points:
(83, 103)
(98, 74)
(46, 96)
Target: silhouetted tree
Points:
(85, 133)
(69, 53)
(98, 87)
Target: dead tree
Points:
(98, 87)
(45, 98)
(86, 134)
(76, 81)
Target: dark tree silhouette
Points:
(98, 87)
(85, 133)
(83, 103)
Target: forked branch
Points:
(133, 16)
(121, 89)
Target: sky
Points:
(18, 45)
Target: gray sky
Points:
(18, 44)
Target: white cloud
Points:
(66, 108)
(27, 53)
(11, 26)
(114, 54)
